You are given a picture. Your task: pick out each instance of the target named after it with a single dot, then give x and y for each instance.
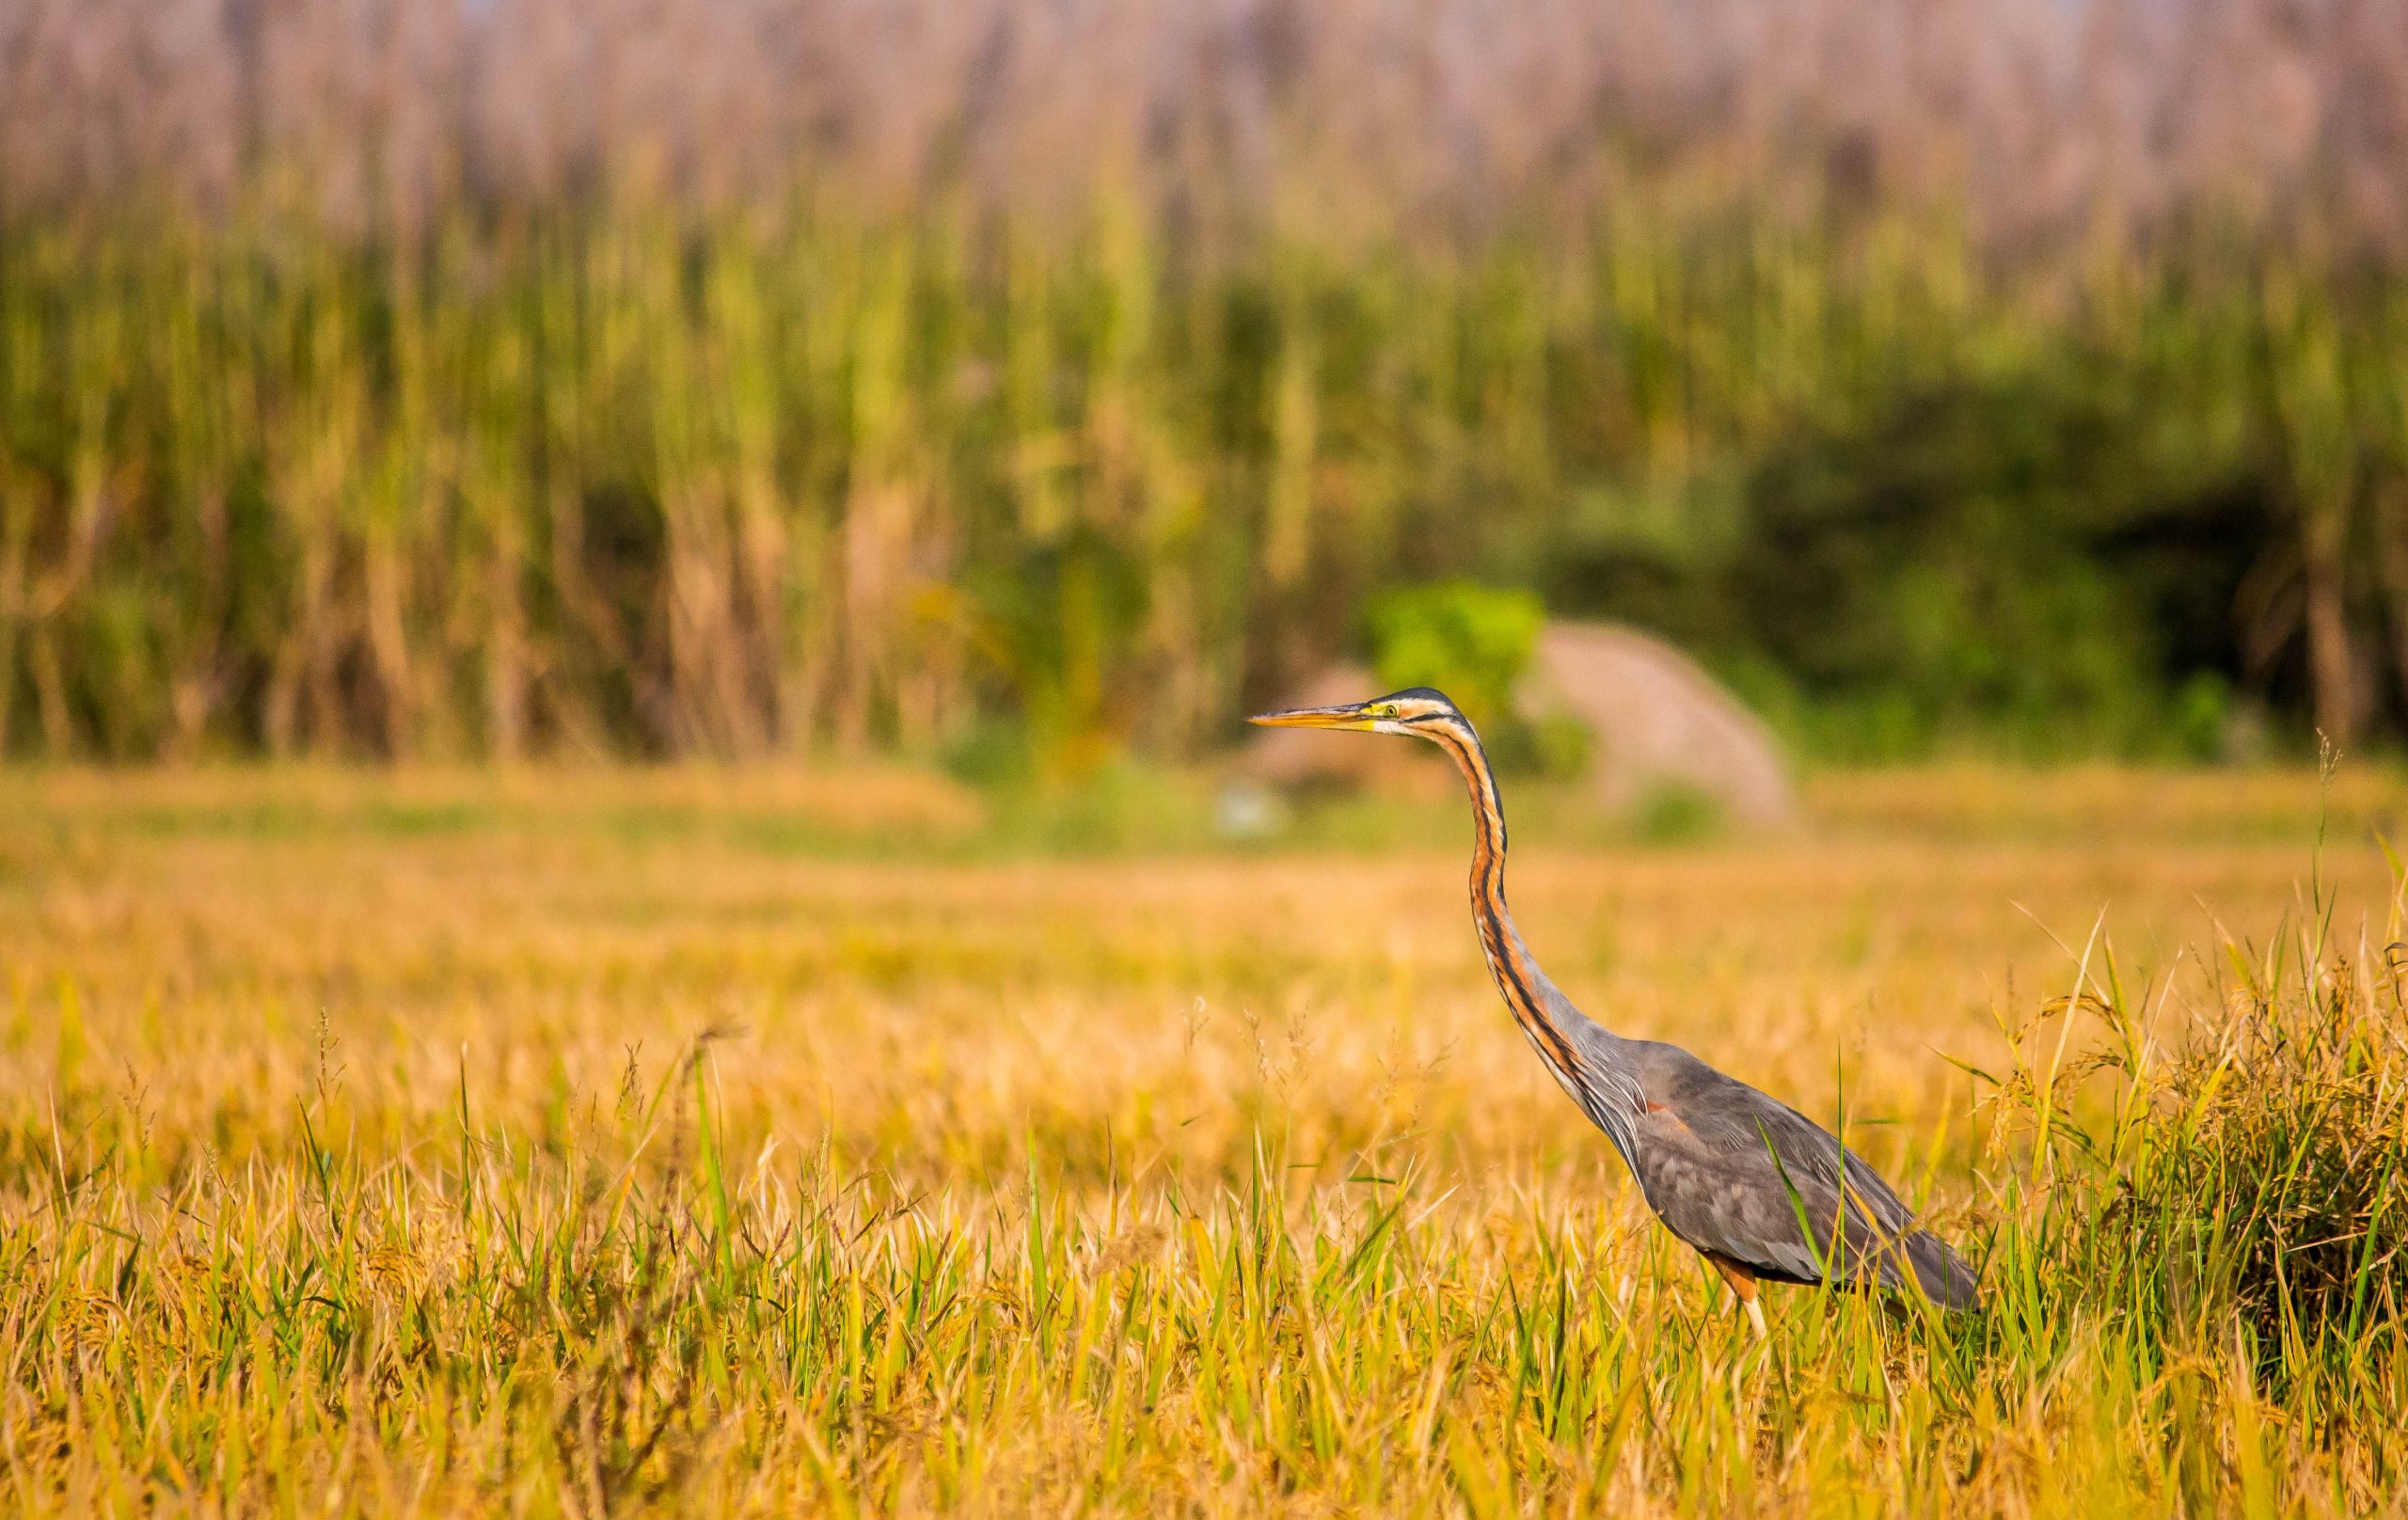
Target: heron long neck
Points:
(1519, 981)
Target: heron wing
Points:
(1738, 1173)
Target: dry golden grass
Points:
(568, 1143)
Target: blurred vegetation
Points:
(330, 428)
(628, 487)
(1475, 642)
(1469, 642)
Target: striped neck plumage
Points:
(1517, 975)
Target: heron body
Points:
(1760, 1190)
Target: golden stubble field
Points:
(567, 1142)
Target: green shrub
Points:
(1673, 812)
(1562, 745)
(1471, 641)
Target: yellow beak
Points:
(1351, 716)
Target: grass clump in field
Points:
(2216, 1195)
(2241, 1183)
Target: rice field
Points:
(571, 1143)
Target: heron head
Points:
(1417, 710)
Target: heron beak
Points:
(1351, 716)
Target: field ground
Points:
(566, 1142)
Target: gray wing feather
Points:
(1731, 1170)
(1736, 1172)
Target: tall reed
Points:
(433, 379)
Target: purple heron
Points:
(1758, 1189)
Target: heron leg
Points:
(1743, 1285)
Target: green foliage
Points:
(1989, 555)
(1561, 746)
(1474, 642)
(2205, 725)
(2057, 558)
(626, 479)
(1048, 623)
(1673, 814)
(1471, 641)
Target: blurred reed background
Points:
(428, 378)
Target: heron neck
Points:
(1515, 971)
